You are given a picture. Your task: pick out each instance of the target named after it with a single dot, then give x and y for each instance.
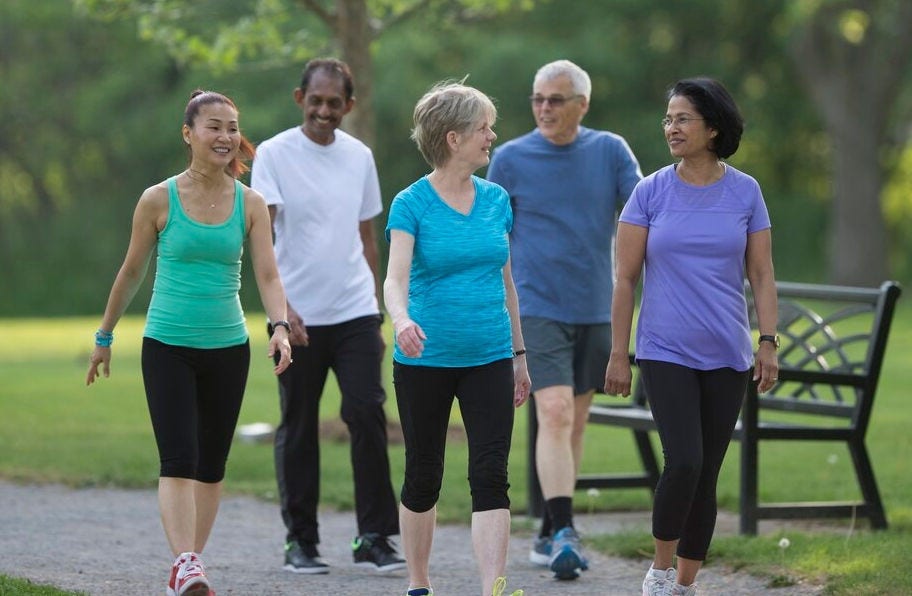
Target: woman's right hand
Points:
(410, 338)
(618, 376)
(100, 356)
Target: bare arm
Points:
(759, 267)
(631, 253)
(298, 333)
(262, 256)
(372, 254)
(148, 218)
(409, 335)
(522, 384)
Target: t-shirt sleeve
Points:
(263, 178)
(759, 218)
(636, 209)
(629, 173)
(402, 215)
(372, 205)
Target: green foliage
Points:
(83, 134)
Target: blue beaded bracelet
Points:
(104, 339)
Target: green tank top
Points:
(195, 300)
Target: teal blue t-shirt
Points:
(195, 300)
(456, 289)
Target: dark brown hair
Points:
(246, 151)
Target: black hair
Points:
(716, 105)
(332, 67)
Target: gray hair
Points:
(448, 106)
(579, 78)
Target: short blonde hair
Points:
(448, 106)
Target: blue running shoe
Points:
(567, 560)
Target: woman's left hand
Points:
(522, 384)
(766, 367)
(279, 343)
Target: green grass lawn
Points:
(55, 429)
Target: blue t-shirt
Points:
(693, 311)
(565, 199)
(456, 289)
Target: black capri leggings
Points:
(695, 413)
(424, 397)
(194, 398)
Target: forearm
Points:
(622, 317)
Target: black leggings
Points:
(424, 396)
(695, 413)
(194, 398)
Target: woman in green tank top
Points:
(196, 351)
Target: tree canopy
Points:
(94, 91)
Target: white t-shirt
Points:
(321, 194)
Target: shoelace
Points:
(500, 585)
(193, 569)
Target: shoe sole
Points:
(539, 559)
(566, 564)
(382, 569)
(201, 590)
(306, 570)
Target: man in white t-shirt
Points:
(323, 193)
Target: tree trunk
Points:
(855, 86)
(354, 36)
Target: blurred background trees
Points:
(93, 91)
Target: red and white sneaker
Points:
(188, 578)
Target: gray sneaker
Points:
(302, 557)
(659, 582)
(540, 554)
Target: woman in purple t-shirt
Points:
(696, 227)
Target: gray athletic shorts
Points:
(566, 354)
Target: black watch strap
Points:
(773, 339)
(284, 324)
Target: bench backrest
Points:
(833, 340)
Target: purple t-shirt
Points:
(693, 311)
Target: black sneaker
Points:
(302, 557)
(376, 551)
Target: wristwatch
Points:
(284, 324)
(773, 339)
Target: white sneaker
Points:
(188, 578)
(679, 590)
(658, 582)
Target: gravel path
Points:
(109, 541)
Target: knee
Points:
(555, 414)
(489, 486)
(421, 487)
(685, 470)
(363, 410)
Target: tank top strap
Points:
(239, 207)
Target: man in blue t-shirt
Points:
(566, 184)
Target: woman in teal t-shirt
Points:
(196, 352)
(450, 294)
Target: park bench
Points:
(833, 340)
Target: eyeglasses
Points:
(555, 101)
(679, 121)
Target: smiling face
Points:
(473, 146)
(558, 123)
(214, 136)
(687, 134)
(324, 104)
